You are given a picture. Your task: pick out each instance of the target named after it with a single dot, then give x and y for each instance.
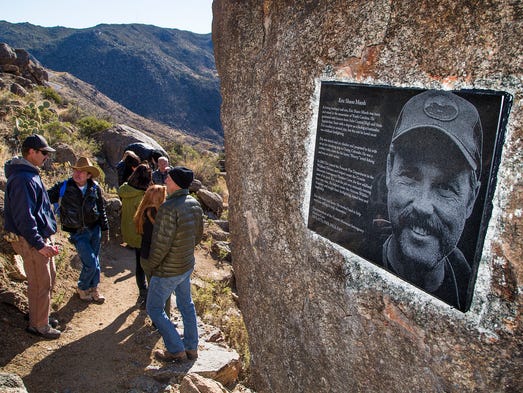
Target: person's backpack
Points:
(56, 205)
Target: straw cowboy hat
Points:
(84, 164)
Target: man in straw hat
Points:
(82, 214)
(30, 223)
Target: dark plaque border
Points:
(348, 202)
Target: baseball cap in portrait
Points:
(36, 142)
(449, 113)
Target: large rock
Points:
(195, 383)
(211, 202)
(18, 62)
(337, 323)
(7, 54)
(113, 143)
(214, 361)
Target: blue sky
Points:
(191, 15)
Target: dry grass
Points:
(215, 304)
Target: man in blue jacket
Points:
(30, 223)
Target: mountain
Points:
(96, 103)
(167, 75)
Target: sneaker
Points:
(85, 295)
(167, 356)
(47, 332)
(97, 296)
(192, 354)
(53, 322)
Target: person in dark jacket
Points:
(147, 153)
(82, 214)
(30, 223)
(126, 166)
(160, 174)
(177, 230)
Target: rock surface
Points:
(337, 323)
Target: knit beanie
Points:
(182, 176)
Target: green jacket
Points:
(178, 228)
(131, 198)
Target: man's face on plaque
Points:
(430, 196)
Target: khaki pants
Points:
(41, 275)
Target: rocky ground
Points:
(107, 347)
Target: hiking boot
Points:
(85, 295)
(97, 296)
(52, 321)
(167, 356)
(192, 354)
(47, 332)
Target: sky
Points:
(191, 15)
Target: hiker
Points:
(177, 230)
(146, 153)
(144, 219)
(30, 224)
(126, 166)
(131, 194)
(160, 174)
(82, 214)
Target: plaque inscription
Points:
(404, 178)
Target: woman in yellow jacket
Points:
(131, 194)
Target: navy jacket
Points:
(27, 209)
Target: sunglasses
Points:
(44, 152)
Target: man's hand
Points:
(49, 251)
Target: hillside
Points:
(163, 74)
(92, 101)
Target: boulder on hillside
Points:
(18, 62)
(18, 90)
(64, 153)
(7, 54)
(113, 143)
(211, 203)
(195, 383)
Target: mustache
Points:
(430, 223)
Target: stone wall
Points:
(321, 319)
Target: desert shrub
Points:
(73, 114)
(59, 132)
(88, 125)
(51, 94)
(204, 165)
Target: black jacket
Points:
(77, 210)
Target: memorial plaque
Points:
(405, 177)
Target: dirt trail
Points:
(103, 348)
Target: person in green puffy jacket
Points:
(131, 194)
(178, 228)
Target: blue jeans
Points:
(87, 243)
(160, 289)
